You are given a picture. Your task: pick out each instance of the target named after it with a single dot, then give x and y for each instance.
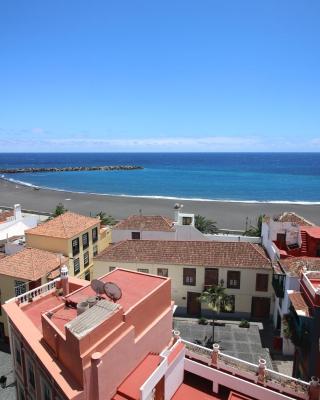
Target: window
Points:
(144, 270)
(31, 377)
(86, 258)
(233, 279)
(75, 246)
(95, 250)
(211, 277)
(189, 276)
(111, 268)
(262, 282)
(135, 235)
(186, 220)
(94, 234)
(85, 240)
(45, 390)
(162, 272)
(229, 306)
(20, 287)
(87, 275)
(76, 266)
(17, 349)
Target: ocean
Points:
(252, 177)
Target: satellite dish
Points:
(97, 286)
(112, 291)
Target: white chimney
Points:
(64, 276)
(17, 212)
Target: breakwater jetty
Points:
(71, 169)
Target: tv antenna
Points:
(113, 291)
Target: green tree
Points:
(106, 219)
(217, 300)
(59, 210)
(255, 230)
(205, 225)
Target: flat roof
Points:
(134, 286)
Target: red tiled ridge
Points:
(146, 223)
(64, 226)
(299, 303)
(202, 253)
(30, 264)
(4, 215)
(293, 266)
(293, 218)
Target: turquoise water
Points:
(287, 177)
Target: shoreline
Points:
(227, 214)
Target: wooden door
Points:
(34, 284)
(260, 307)
(193, 304)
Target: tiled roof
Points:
(293, 218)
(30, 264)
(293, 266)
(202, 253)
(146, 223)
(4, 215)
(299, 304)
(64, 226)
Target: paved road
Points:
(9, 393)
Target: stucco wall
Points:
(243, 296)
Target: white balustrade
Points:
(38, 291)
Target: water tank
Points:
(82, 307)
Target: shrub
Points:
(244, 324)
(202, 321)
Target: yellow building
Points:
(73, 235)
(244, 269)
(24, 271)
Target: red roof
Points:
(186, 392)
(64, 226)
(130, 387)
(201, 253)
(146, 223)
(313, 231)
(4, 215)
(293, 218)
(299, 303)
(293, 265)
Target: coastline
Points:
(227, 214)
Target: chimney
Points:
(314, 389)
(215, 354)
(64, 280)
(262, 370)
(17, 212)
(177, 207)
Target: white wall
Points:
(17, 228)
(232, 238)
(174, 376)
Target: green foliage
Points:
(106, 219)
(255, 230)
(205, 225)
(59, 210)
(202, 321)
(216, 298)
(244, 324)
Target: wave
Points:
(155, 197)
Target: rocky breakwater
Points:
(71, 169)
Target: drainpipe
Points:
(95, 363)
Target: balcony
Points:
(278, 283)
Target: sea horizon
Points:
(260, 177)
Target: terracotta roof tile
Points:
(4, 215)
(146, 223)
(64, 226)
(293, 218)
(299, 304)
(30, 264)
(293, 266)
(202, 253)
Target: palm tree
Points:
(255, 230)
(106, 219)
(205, 225)
(59, 210)
(217, 300)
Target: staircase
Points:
(304, 243)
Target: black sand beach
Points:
(228, 215)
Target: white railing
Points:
(235, 366)
(25, 297)
(154, 378)
(307, 282)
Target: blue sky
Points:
(226, 75)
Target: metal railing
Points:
(31, 294)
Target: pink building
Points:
(69, 343)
